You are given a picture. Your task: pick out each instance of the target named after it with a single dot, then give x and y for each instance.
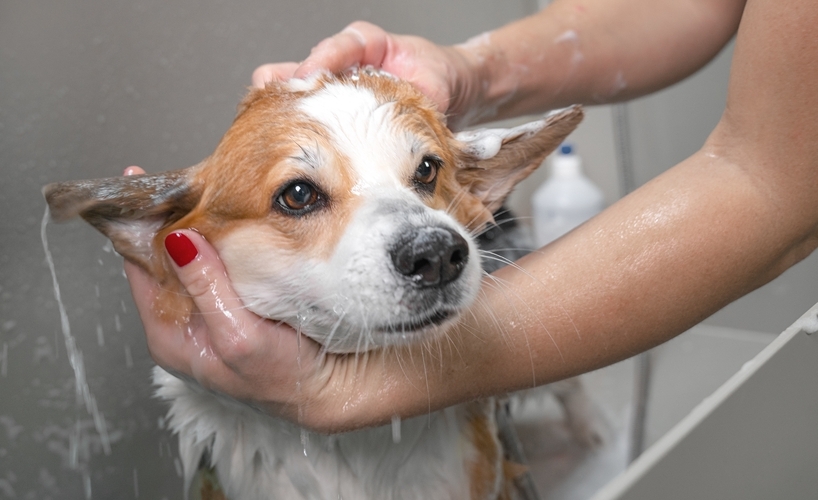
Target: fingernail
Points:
(180, 249)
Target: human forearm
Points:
(647, 269)
(725, 221)
(590, 52)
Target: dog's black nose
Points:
(431, 256)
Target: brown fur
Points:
(484, 469)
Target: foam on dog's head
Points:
(353, 147)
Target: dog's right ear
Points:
(128, 210)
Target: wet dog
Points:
(343, 206)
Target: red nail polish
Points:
(180, 248)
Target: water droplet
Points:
(100, 335)
(4, 359)
(86, 482)
(305, 439)
(395, 429)
(128, 357)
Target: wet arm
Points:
(725, 221)
(590, 52)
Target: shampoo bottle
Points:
(565, 200)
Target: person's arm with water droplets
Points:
(572, 52)
(725, 221)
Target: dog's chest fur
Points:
(257, 457)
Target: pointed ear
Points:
(495, 160)
(128, 210)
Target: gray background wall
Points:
(90, 87)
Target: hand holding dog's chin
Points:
(226, 348)
(447, 75)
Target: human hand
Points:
(447, 75)
(227, 348)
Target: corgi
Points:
(344, 206)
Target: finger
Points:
(360, 43)
(277, 72)
(182, 349)
(134, 170)
(167, 341)
(232, 328)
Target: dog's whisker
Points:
(496, 251)
(456, 199)
(428, 392)
(499, 283)
(514, 265)
(498, 325)
(328, 342)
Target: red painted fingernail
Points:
(180, 248)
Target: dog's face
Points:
(341, 205)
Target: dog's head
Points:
(341, 205)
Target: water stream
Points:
(75, 359)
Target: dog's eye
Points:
(299, 197)
(426, 173)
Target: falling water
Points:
(304, 434)
(4, 359)
(75, 359)
(395, 429)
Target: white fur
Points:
(364, 132)
(260, 458)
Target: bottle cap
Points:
(566, 163)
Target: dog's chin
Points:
(349, 338)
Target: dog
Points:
(344, 206)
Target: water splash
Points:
(305, 440)
(128, 357)
(4, 360)
(100, 335)
(395, 429)
(86, 483)
(75, 359)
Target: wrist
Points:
(474, 89)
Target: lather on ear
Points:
(128, 210)
(493, 161)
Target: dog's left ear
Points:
(493, 161)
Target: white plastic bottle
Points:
(565, 200)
